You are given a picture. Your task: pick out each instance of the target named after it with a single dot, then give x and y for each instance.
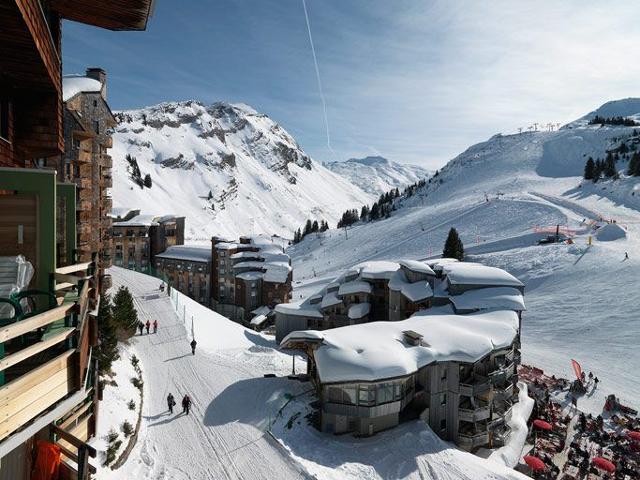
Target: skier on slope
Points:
(193, 346)
(155, 326)
(186, 404)
(170, 402)
(148, 325)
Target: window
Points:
(95, 103)
(385, 393)
(443, 375)
(96, 126)
(335, 395)
(253, 294)
(349, 395)
(5, 106)
(443, 399)
(366, 395)
(443, 425)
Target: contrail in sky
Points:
(315, 61)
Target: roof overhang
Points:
(109, 14)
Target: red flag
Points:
(578, 369)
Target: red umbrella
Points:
(633, 435)
(535, 463)
(542, 425)
(604, 464)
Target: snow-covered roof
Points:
(502, 298)
(250, 276)
(378, 350)
(417, 291)
(245, 254)
(263, 310)
(377, 270)
(187, 252)
(143, 220)
(329, 300)
(465, 273)
(359, 310)
(258, 320)
(439, 263)
(417, 266)
(301, 309)
(356, 286)
(75, 84)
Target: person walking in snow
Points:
(141, 327)
(193, 346)
(595, 382)
(148, 325)
(155, 326)
(170, 402)
(186, 404)
(626, 255)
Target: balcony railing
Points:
(502, 374)
(476, 385)
(470, 414)
(106, 161)
(471, 441)
(503, 393)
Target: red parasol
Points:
(604, 464)
(542, 425)
(535, 463)
(633, 435)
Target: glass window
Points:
(443, 399)
(385, 393)
(349, 395)
(366, 395)
(443, 425)
(335, 395)
(397, 394)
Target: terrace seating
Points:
(15, 274)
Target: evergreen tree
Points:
(307, 228)
(107, 349)
(609, 169)
(374, 214)
(453, 247)
(634, 164)
(147, 181)
(315, 227)
(364, 213)
(210, 196)
(297, 236)
(589, 169)
(124, 313)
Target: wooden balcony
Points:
(85, 194)
(107, 204)
(472, 441)
(84, 156)
(83, 182)
(108, 142)
(475, 385)
(86, 170)
(106, 182)
(106, 161)
(482, 411)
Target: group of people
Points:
(141, 326)
(186, 403)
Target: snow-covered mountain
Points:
(502, 195)
(377, 175)
(229, 169)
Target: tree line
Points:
(136, 175)
(310, 227)
(624, 121)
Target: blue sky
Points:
(415, 81)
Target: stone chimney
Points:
(99, 74)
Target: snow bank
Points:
(212, 331)
(509, 455)
(610, 232)
(377, 350)
(187, 252)
(506, 298)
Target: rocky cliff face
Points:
(228, 168)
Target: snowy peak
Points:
(626, 108)
(226, 167)
(377, 175)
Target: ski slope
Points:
(502, 196)
(225, 435)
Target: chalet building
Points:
(85, 162)
(248, 274)
(50, 282)
(188, 269)
(137, 239)
(376, 291)
(460, 381)
(466, 396)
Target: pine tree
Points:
(147, 181)
(107, 349)
(307, 228)
(589, 169)
(453, 247)
(374, 214)
(634, 164)
(210, 196)
(315, 227)
(124, 313)
(364, 213)
(610, 166)
(297, 236)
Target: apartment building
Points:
(187, 269)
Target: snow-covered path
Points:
(223, 437)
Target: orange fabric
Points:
(47, 466)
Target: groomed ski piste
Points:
(226, 434)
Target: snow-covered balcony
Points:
(502, 374)
(473, 440)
